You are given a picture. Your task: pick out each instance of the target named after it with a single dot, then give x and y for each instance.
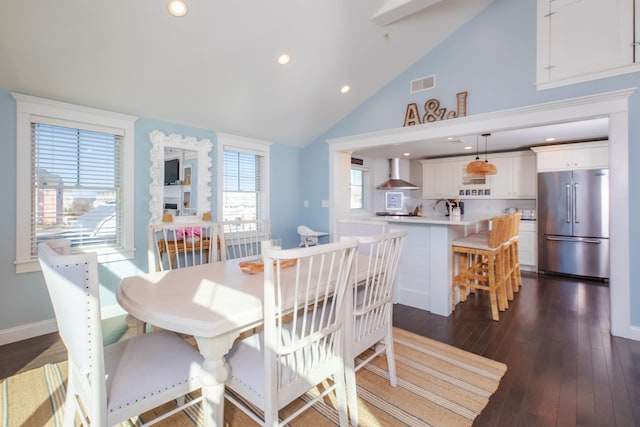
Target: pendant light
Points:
(478, 167)
(490, 168)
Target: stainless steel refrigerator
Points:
(573, 222)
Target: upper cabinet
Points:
(440, 178)
(586, 155)
(581, 40)
(447, 178)
(516, 177)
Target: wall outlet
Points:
(305, 203)
(325, 203)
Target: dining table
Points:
(214, 303)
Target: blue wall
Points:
(23, 297)
(493, 57)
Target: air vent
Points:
(423, 83)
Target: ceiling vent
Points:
(423, 83)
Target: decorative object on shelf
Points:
(480, 167)
(433, 112)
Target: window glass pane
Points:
(357, 185)
(242, 186)
(75, 187)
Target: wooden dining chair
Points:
(110, 384)
(242, 239)
(372, 310)
(302, 343)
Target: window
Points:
(244, 180)
(71, 166)
(358, 192)
(357, 189)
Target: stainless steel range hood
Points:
(394, 182)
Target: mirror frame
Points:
(203, 147)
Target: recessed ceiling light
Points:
(406, 154)
(452, 140)
(284, 59)
(345, 89)
(550, 139)
(177, 7)
(468, 147)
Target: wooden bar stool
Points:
(481, 266)
(514, 257)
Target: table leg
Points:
(213, 376)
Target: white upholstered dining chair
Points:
(110, 384)
(372, 313)
(242, 239)
(302, 341)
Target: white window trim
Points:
(239, 143)
(28, 106)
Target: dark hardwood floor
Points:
(564, 368)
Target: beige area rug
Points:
(438, 385)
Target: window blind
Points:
(243, 186)
(76, 186)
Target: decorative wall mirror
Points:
(180, 176)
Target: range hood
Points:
(394, 182)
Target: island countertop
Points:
(469, 219)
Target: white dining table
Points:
(214, 303)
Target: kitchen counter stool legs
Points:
(481, 266)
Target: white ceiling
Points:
(506, 140)
(216, 67)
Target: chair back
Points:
(373, 294)
(304, 345)
(500, 230)
(242, 239)
(180, 244)
(72, 283)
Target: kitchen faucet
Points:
(447, 201)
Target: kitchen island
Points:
(424, 272)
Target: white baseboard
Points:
(634, 333)
(22, 332)
(30, 330)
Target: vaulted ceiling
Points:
(216, 68)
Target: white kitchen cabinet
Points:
(440, 178)
(516, 177)
(581, 40)
(528, 246)
(587, 155)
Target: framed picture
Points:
(393, 201)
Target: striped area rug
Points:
(438, 385)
